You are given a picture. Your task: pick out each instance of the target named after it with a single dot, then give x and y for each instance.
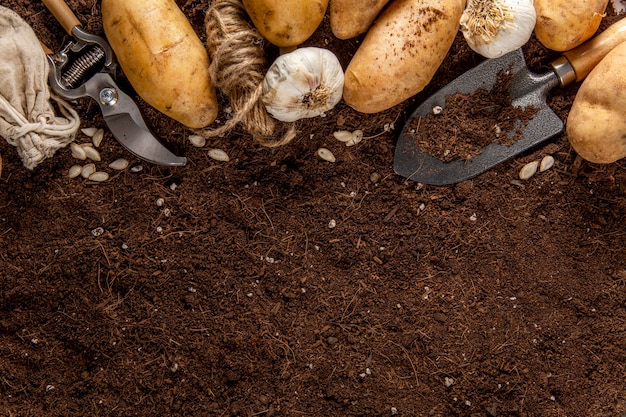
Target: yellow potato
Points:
(350, 18)
(286, 23)
(564, 24)
(596, 123)
(401, 52)
(162, 57)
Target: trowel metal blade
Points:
(526, 89)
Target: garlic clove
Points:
(302, 84)
(493, 28)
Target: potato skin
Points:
(350, 18)
(286, 23)
(596, 126)
(162, 57)
(401, 53)
(564, 24)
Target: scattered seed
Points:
(219, 155)
(92, 153)
(78, 151)
(119, 164)
(89, 131)
(74, 171)
(136, 168)
(99, 176)
(97, 137)
(343, 135)
(87, 170)
(437, 110)
(546, 163)
(326, 155)
(357, 136)
(528, 170)
(160, 201)
(197, 140)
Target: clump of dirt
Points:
(468, 123)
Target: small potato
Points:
(350, 18)
(286, 23)
(162, 57)
(401, 52)
(564, 24)
(596, 122)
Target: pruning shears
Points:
(86, 66)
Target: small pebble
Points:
(546, 163)
(197, 140)
(528, 170)
(119, 164)
(219, 155)
(74, 171)
(87, 170)
(326, 155)
(136, 168)
(374, 177)
(78, 151)
(99, 176)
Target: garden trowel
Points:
(526, 90)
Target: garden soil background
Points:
(235, 297)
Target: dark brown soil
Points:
(490, 298)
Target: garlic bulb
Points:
(304, 83)
(493, 28)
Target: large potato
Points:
(350, 18)
(162, 57)
(401, 52)
(286, 23)
(596, 124)
(564, 24)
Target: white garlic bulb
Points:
(493, 28)
(304, 83)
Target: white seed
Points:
(528, 170)
(74, 171)
(357, 136)
(92, 153)
(437, 110)
(88, 170)
(97, 137)
(136, 168)
(197, 140)
(160, 201)
(343, 135)
(219, 155)
(78, 151)
(99, 176)
(119, 164)
(326, 155)
(89, 131)
(546, 163)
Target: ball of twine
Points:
(237, 68)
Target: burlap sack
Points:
(27, 117)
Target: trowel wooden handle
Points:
(62, 12)
(585, 57)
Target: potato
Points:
(162, 57)
(286, 23)
(564, 24)
(596, 123)
(401, 52)
(350, 18)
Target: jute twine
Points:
(237, 57)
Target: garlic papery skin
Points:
(301, 84)
(493, 28)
